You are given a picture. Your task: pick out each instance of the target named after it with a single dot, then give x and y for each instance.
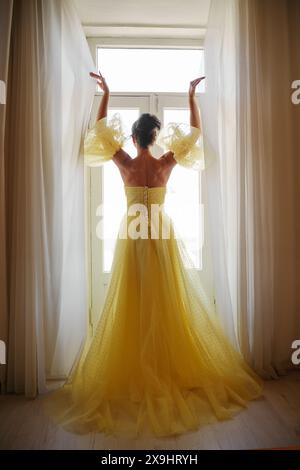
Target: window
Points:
(150, 70)
(132, 95)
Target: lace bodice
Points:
(145, 195)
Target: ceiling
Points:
(153, 18)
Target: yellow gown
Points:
(159, 361)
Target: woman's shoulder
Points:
(168, 158)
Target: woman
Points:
(159, 360)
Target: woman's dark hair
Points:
(144, 129)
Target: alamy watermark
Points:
(295, 96)
(2, 92)
(143, 221)
(2, 353)
(296, 354)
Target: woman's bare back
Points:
(145, 170)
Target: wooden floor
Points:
(273, 421)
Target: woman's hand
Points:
(102, 111)
(101, 81)
(193, 85)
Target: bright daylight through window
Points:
(150, 70)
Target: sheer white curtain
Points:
(48, 104)
(218, 121)
(252, 129)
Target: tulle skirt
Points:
(159, 361)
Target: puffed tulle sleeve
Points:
(186, 142)
(103, 140)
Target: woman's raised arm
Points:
(102, 111)
(195, 118)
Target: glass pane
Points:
(113, 192)
(152, 70)
(183, 200)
